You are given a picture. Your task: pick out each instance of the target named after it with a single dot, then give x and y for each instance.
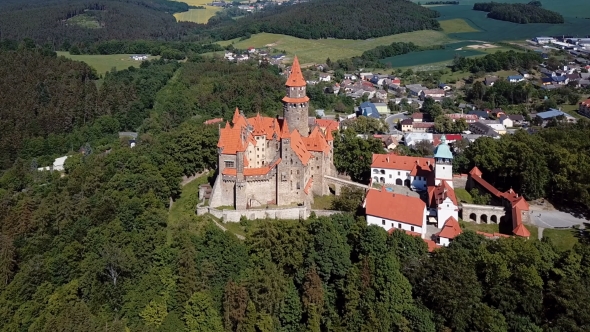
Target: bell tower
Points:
(296, 102)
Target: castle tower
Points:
(296, 102)
(443, 162)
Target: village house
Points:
(417, 117)
(506, 121)
(584, 108)
(469, 118)
(381, 95)
(411, 139)
(515, 78)
(325, 77)
(495, 125)
(432, 93)
(545, 117)
(415, 89)
(406, 125)
(483, 129)
(524, 73)
(368, 109)
(490, 80)
(481, 114)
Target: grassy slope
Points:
(317, 51)
(563, 239)
(197, 15)
(104, 63)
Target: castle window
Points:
(398, 173)
(390, 176)
(297, 172)
(399, 225)
(383, 222)
(298, 185)
(257, 149)
(412, 228)
(230, 164)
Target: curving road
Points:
(393, 119)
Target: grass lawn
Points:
(463, 195)
(563, 239)
(317, 51)
(197, 15)
(487, 228)
(456, 25)
(322, 202)
(183, 209)
(104, 63)
(571, 110)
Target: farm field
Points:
(456, 25)
(104, 63)
(197, 15)
(316, 51)
(433, 56)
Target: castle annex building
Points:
(274, 161)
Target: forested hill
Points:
(349, 19)
(519, 12)
(56, 22)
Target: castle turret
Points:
(296, 102)
(443, 160)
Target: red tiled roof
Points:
(418, 115)
(453, 137)
(451, 229)
(437, 194)
(327, 125)
(423, 124)
(296, 76)
(406, 209)
(391, 230)
(263, 126)
(520, 230)
(238, 119)
(316, 141)
(585, 102)
(393, 161)
(295, 100)
(213, 121)
(252, 171)
(299, 147)
(285, 133)
(231, 140)
(431, 245)
(308, 185)
(491, 189)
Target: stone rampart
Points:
(299, 212)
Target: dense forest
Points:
(94, 250)
(519, 12)
(552, 163)
(44, 96)
(347, 19)
(61, 24)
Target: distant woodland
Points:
(61, 24)
(348, 19)
(519, 12)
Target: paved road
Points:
(554, 219)
(393, 119)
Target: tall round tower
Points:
(296, 102)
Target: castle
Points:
(266, 161)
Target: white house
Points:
(450, 230)
(506, 121)
(401, 170)
(395, 211)
(325, 77)
(442, 202)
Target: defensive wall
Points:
(298, 212)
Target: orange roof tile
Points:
(285, 133)
(476, 175)
(329, 136)
(451, 229)
(431, 245)
(406, 209)
(520, 230)
(326, 124)
(299, 148)
(296, 100)
(213, 121)
(475, 172)
(263, 126)
(296, 77)
(437, 194)
(238, 119)
(231, 140)
(393, 161)
(391, 230)
(316, 141)
(308, 185)
(252, 171)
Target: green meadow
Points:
(318, 50)
(104, 63)
(197, 15)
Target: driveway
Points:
(392, 120)
(554, 219)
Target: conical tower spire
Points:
(296, 77)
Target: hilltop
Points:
(343, 19)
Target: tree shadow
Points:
(575, 209)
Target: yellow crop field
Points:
(197, 15)
(318, 50)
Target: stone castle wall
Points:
(299, 212)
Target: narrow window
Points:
(383, 222)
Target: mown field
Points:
(104, 63)
(197, 15)
(456, 25)
(316, 51)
